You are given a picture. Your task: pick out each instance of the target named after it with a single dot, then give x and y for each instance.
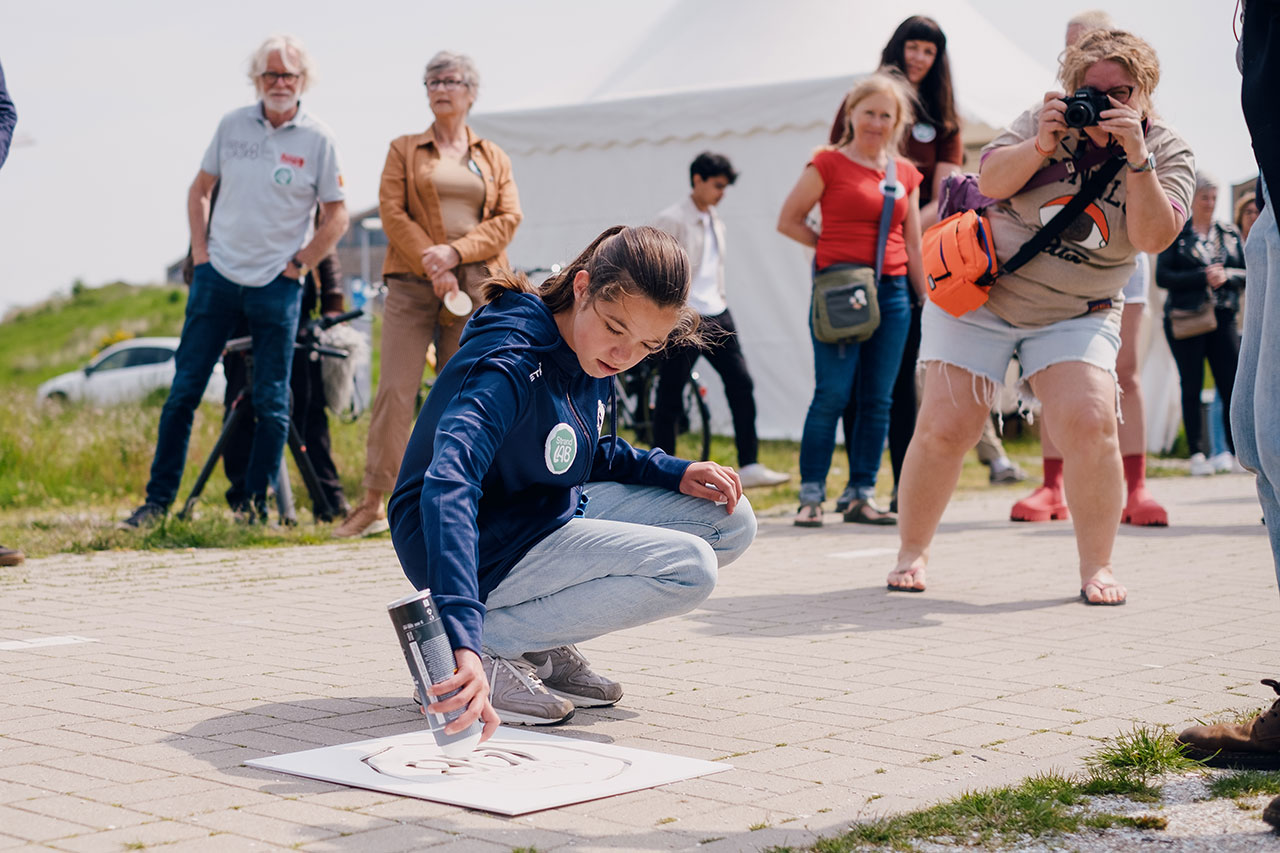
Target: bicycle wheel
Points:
(695, 417)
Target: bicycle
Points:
(637, 393)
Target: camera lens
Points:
(1079, 114)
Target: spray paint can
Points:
(430, 658)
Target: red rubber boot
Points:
(1140, 508)
(1047, 503)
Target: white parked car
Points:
(126, 373)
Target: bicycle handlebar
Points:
(308, 332)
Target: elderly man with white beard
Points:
(273, 163)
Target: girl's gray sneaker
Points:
(566, 673)
(518, 696)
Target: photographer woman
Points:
(846, 181)
(449, 207)
(532, 530)
(1204, 267)
(1060, 312)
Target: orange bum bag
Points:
(960, 262)
(960, 256)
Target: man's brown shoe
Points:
(1271, 814)
(10, 557)
(1255, 745)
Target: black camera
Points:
(1084, 107)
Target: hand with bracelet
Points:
(296, 268)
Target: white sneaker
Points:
(1223, 463)
(1200, 467)
(756, 474)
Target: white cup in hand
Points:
(458, 303)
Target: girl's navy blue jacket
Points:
(509, 434)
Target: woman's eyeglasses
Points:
(449, 84)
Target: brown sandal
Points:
(866, 512)
(810, 515)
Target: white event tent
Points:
(759, 82)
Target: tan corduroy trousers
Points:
(413, 318)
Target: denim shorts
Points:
(982, 343)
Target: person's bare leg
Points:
(1079, 401)
(953, 408)
(1140, 507)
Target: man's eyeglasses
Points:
(448, 84)
(272, 77)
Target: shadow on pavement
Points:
(860, 609)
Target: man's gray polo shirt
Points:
(270, 179)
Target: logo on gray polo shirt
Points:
(283, 175)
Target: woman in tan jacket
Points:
(449, 208)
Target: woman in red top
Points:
(846, 181)
(918, 49)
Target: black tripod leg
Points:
(284, 494)
(237, 411)
(319, 500)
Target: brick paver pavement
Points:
(832, 698)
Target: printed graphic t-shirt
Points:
(851, 204)
(269, 181)
(1086, 267)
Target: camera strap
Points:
(1090, 191)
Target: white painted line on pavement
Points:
(864, 552)
(38, 642)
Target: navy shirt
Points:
(508, 436)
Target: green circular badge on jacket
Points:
(561, 448)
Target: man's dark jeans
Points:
(214, 307)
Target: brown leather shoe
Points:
(1255, 745)
(10, 557)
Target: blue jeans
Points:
(641, 553)
(866, 372)
(214, 307)
(1255, 402)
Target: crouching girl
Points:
(536, 528)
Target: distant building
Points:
(363, 248)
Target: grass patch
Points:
(1142, 754)
(1246, 783)
(1046, 805)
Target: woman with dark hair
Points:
(533, 524)
(918, 49)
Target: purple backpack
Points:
(959, 191)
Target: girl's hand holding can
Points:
(712, 481)
(473, 694)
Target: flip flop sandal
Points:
(810, 515)
(1101, 587)
(899, 588)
